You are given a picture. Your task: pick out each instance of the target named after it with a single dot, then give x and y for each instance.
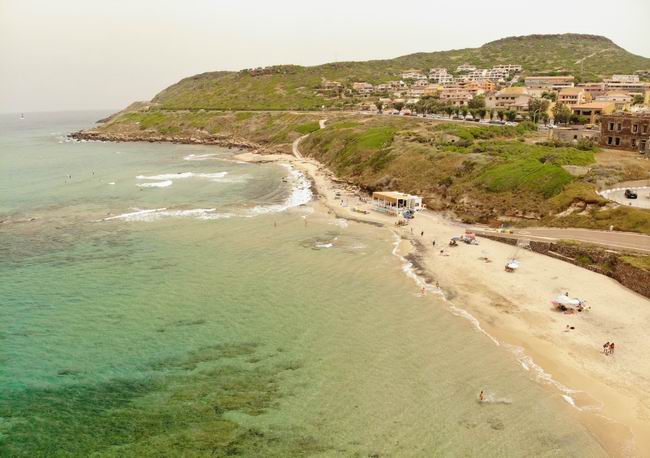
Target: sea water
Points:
(169, 300)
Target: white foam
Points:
(300, 194)
(198, 157)
(158, 213)
(137, 215)
(157, 184)
(324, 245)
(180, 175)
(340, 222)
(112, 182)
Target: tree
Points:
(464, 111)
(500, 114)
(482, 112)
(578, 119)
(511, 115)
(549, 95)
(536, 107)
(477, 102)
(638, 99)
(380, 105)
(398, 105)
(562, 113)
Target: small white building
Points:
(393, 202)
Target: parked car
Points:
(629, 194)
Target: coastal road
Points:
(615, 240)
(294, 146)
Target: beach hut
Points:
(395, 203)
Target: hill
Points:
(291, 87)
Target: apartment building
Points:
(363, 88)
(549, 82)
(573, 96)
(510, 68)
(621, 100)
(456, 96)
(594, 110)
(465, 68)
(510, 98)
(626, 131)
(413, 74)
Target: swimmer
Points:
(481, 396)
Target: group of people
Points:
(608, 348)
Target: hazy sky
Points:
(86, 54)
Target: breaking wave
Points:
(157, 184)
(158, 213)
(300, 194)
(180, 175)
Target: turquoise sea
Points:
(167, 300)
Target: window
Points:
(617, 141)
(619, 126)
(645, 129)
(635, 128)
(634, 143)
(643, 144)
(611, 127)
(610, 140)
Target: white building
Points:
(624, 79)
(395, 203)
(510, 68)
(413, 75)
(465, 68)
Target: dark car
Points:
(629, 194)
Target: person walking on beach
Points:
(481, 396)
(434, 243)
(422, 234)
(611, 348)
(606, 348)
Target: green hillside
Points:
(290, 87)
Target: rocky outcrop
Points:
(225, 141)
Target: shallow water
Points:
(206, 318)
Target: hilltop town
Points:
(501, 95)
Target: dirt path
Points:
(294, 147)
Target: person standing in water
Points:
(481, 396)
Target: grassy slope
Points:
(479, 172)
(294, 88)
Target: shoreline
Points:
(613, 408)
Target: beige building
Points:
(621, 100)
(512, 98)
(573, 96)
(594, 110)
(549, 82)
(456, 96)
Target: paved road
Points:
(615, 240)
(617, 194)
(294, 146)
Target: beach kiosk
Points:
(395, 203)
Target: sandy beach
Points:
(610, 395)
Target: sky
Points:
(60, 55)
